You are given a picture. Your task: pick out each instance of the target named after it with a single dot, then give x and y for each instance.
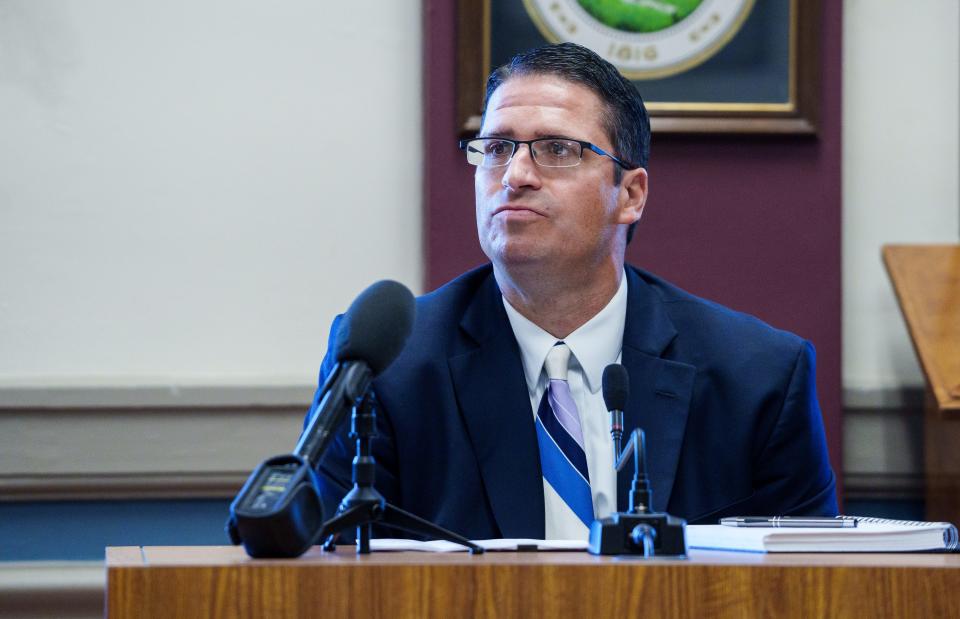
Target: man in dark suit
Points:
(491, 420)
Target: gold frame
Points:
(797, 116)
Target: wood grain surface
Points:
(223, 582)
(926, 279)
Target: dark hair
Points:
(625, 119)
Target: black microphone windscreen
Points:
(616, 387)
(376, 325)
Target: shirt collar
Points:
(595, 344)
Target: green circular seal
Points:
(645, 39)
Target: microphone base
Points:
(643, 535)
(364, 506)
(366, 513)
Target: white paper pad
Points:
(380, 544)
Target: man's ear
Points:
(633, 195)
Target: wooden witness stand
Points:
(221, 581)
(926, 279)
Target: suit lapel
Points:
(498, 416)
(660, 391)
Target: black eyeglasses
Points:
(546, 152)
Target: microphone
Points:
(278, 512)
(371, 335)
(639, 530)
(616, 391)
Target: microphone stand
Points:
(363, 506)
(639, 530)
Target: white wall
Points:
(900, 168)
(190, 190)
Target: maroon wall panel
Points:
(750, 222)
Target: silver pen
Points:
(789, 521)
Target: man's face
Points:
(566, 218)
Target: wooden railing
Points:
(926, 279)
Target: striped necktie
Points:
(562, 456)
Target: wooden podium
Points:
(926, 279)
(221, 581)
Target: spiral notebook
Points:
(870, 535)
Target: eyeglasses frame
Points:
(464, 144)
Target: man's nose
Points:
(522, 170)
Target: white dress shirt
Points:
(596, 344)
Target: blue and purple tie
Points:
(562, 456)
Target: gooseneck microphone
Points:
(278, 512)
(616, 391)
(371, 335)
(639, 530)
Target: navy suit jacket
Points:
(728, 405)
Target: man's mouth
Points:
(517, 210)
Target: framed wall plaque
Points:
(702, 66)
